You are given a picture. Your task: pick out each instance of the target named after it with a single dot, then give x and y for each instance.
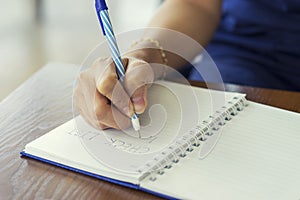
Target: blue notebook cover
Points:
(122, 183)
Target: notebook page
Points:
(173, 110)
(257, 157)
(63, 145)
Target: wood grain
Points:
(22, 178)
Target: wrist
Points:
(149, 50)
(145, 54)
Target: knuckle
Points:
(106, 84)
(104, 88)
(102, 61)
(83, 79)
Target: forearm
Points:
(197, 19)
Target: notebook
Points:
(209, 145)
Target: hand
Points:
(104, 102)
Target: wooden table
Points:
(42, 103)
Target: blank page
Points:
(257, 157)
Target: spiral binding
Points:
(191, 140)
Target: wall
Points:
(34, 32)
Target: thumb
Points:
(138, 78)
(139, 99)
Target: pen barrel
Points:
(112, 42)
(114, 49)
(135, 122)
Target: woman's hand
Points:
(104, 101)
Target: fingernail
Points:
(138, 100)
(139, 103)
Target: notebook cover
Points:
(122, 183)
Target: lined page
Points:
(173, 110)
(257, 157)
(62, 145)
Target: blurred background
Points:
(35, 32)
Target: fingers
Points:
(109, 86)
(108, 115)
(105, 102)
(97, 110)
(139, 77)
(139, 99)
(83, 103)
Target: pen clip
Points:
(100, 6)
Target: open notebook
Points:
(256, 157)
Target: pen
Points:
(107, 30)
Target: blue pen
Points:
(102, 12)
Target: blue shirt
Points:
(258, 43)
